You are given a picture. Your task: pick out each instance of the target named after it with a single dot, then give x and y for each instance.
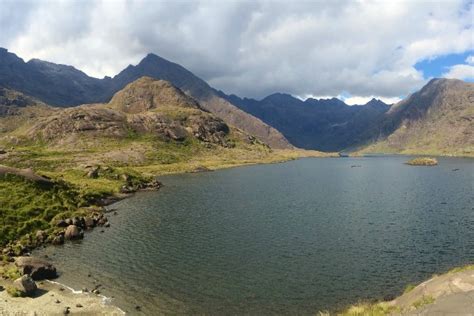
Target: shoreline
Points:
(54, 298)
(106, 202)
(451, 292)
(112, 199)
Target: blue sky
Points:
(438, 66)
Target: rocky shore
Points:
(25, 286)
(55, 299)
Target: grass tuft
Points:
(14, 292)
(425, 300)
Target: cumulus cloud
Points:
(250, 48)
(463, 72)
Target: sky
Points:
(355, 50)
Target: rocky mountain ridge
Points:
(324, 124)
(65, 86)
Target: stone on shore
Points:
(73, 232)
(89, 222)
(25, 285)
(37, 268)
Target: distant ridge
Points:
(325, 124)
(65, 86)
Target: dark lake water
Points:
(290, 238)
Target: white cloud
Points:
(470, 60)
(353, 100)
(250, 48)
(463, 72)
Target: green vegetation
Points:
(10, 271)
(422, 161)
(367, 309)
(27, 206)
(409, 288)
(461, 269)
(14, 292)
(425, 300)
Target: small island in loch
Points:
(423, 161)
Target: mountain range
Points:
(324, 124)
(437, 119)
(65, 86)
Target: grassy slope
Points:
(26, 207)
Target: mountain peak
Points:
(147, 93)
(279, 96)
(153, 58)
(377, 103)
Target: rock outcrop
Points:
(146, 106)
(73, 232)
(25, 285)
(37, 268)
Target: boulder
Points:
(26, 285)
(176, 132)
(37, 268)
(73, 232)
(59, 239)
(41, 236)
(89, 222)
(102, 221)
(79, 222)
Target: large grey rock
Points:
(37, 268)
(26, 285)
(73, 232)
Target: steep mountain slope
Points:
(438, 119)
(159, 68)
(72, 87)
(328, 125)
(57, 85)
